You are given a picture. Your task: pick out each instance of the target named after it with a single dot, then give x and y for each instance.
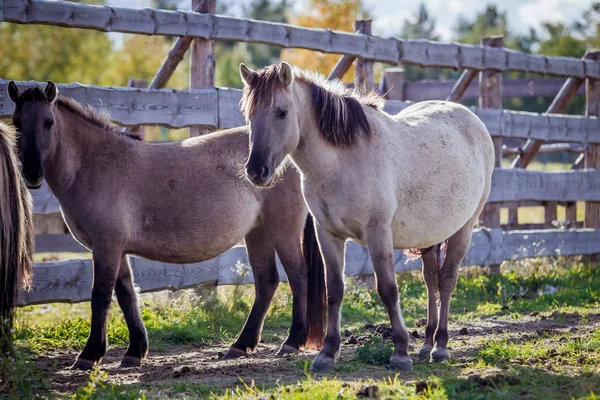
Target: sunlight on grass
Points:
(544, 364)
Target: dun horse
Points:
(180, 203)
(16, 234)
(409, 181)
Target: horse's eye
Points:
(281, 114)
(48, 123)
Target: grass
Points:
(561, 361)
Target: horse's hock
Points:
(514, 133)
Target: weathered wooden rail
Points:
(210, 26)
(208, 107)
(71, 281)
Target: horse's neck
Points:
(75, 140)
(312, 155)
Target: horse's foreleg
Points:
(138, 339)
(332, 249)
(266, 279)
(381, 248)
(106, 267)
(430, 275)
(458, 244)
(296, 270)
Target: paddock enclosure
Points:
(205, 107)
(536, 337)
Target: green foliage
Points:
(375, 351)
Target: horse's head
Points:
(269, 108)
(34, 119)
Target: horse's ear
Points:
(285, 74)
(247, 74)
(51, 92)
(13, 91)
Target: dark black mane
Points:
(340, 110)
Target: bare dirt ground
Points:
(202, 365)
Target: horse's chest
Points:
(77, 228)
(335, 217)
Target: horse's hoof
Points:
(233, 353)
(425, 352)
(285, 350)
(401, 364)
(440, 354)
(323, 366)
(83, 364)
(131, 361)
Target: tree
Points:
(332, 14)
(420, 26)
(34, 52)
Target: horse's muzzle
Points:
(259, 175)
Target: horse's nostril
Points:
(264, 173)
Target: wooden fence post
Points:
(363, 70)
(141, 84)
(592, 152)
(392, 84)
(202, 68)
(490, 96)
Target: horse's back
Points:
(446, 160)
(192, 199)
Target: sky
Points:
(388, 15)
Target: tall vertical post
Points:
(490, 96)
(392, 83)
(363, 69)
(592, 151)
(202, 68)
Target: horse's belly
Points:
(200, 236)
(417, 227)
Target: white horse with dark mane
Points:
(406, 181)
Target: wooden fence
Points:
(205, 107)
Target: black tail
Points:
(16, 235)
(317, 292)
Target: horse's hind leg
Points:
(380, 244)
(457, 247)
(106, 268)
(296, 270)
(430, 275)
(266, 278)
(138, 339)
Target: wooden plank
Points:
(344, 63)
(219, 107)
(207, 26)
(517, 184)
(134, 106)
(459, 89)
(549, 148)
(58, 243)
(430, 89)
(508, 185)
(550, 213)
(202, 61)
(173, 59)
(560, 102)
(571, 86)
(592, 151)
(341, 67)
(70, 281)
(138, 130)
(490, 96)
(363, 69)
(393, 83)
